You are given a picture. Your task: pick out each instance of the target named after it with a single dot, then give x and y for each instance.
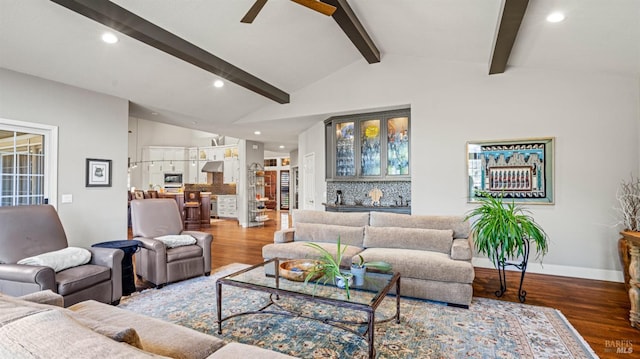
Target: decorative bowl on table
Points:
(298, 269)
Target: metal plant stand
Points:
(522, 266)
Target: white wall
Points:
(594, 119)
(91, 125)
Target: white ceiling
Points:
(292, 47)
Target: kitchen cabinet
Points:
(368, 147)
(157, 161)
(227, 206)
(231, 170)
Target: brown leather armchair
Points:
(152, 218)
(27, 231)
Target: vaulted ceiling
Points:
(290, 47)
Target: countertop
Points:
(330, 207)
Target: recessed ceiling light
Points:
(281, 146)
(218, 83)
(256, 132)
(555, 17)
(154, 113)
(109, 38)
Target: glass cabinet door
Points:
(398, 146)
(370, 148)
(345, 149)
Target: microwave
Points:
(173, 179)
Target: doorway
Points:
(309, 180)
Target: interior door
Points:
(309, 180)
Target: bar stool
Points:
(192, 210)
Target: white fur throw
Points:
(176, 240)
(61, 259)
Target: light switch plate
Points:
(67, 198)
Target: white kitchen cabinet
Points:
(231, 171)
(227, 206)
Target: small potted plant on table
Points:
(358, 269)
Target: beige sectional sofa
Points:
(432, 253)
(36, 326)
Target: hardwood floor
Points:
(599, 310)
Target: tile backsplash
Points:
(358, 191)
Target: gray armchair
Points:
(27, 231)
(152, 218)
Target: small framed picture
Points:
(98, 173)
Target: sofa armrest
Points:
(461, 249)
(111, 258)
(203, 240)
(43, 276)
(45, 297)
(284, 235)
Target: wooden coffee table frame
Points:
(369, 308)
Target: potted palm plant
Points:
(503, 232)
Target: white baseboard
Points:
(565, 271)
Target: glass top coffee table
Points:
(365, 298)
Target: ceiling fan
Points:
(316, 5)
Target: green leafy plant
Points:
(329, 266)
(500, 229)
(379, 265)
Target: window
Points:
(27, 170)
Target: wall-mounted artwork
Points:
(520, 170)
(98, 173)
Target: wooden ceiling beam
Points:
(349, 23)
(130, 24)
(512, 15)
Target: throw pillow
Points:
(176, 240)
(315, 232)
(61, 259)
(437, 240)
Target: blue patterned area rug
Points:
(488, 329)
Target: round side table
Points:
(129, 247)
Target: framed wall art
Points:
(98, 173)
(519, 170)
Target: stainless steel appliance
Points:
(172, 180)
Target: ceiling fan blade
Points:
(318, 6)
(253, 12)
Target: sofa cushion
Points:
(53, 334)
(59, 260)
(354, 219)
(422, 264)
(77, 278)
(183, 252)
(315, 232)
(461, 228)
(156, 336)
(438, 240)
(298, 250)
